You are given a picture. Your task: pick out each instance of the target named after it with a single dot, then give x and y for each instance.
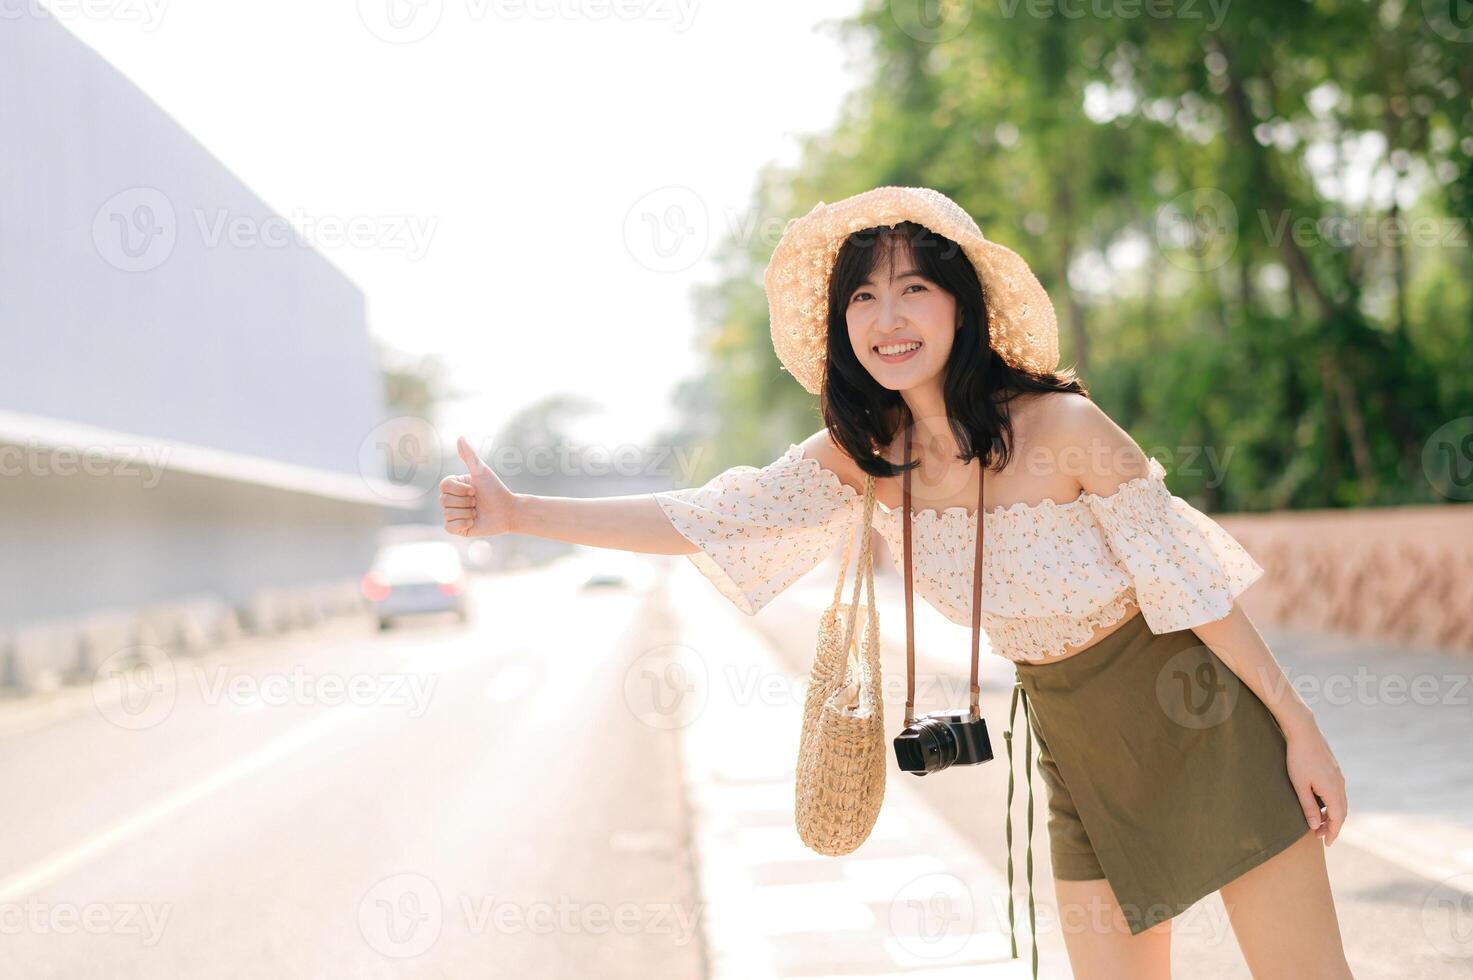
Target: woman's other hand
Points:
(1314, 771)
(476, 503)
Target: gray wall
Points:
(257, 350)
(92, 542)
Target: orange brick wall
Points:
(1403, 574)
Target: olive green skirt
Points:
(1166, 774)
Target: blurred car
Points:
(417, 577)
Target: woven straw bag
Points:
(841, 751)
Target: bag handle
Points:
(864, 571)
(910, 639)
(844, 561)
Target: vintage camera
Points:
(940, 739)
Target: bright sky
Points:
(539, 183)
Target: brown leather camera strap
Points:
(910, 637)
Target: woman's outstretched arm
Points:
(478, 504)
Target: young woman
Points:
(1177, 757)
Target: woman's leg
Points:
(1284, 915)
(1099, 941)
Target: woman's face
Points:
(901, 325)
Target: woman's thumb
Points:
(468, 455)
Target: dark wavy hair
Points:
(863, 416)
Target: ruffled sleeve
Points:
(761, 529)
(1185, 567)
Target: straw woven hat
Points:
(1021, 319)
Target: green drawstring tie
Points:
(1028, 768)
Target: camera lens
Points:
(926, 746)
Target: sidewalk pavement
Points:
(915, 900)
(1400, 721)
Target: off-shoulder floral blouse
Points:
(1054, 571)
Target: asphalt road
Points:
(438, 801)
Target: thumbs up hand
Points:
(476, 503)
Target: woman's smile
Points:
(895, 352)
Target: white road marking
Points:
(69, 859)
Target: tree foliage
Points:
(1252, 217)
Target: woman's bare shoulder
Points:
(822, 448)
(1083, 437)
